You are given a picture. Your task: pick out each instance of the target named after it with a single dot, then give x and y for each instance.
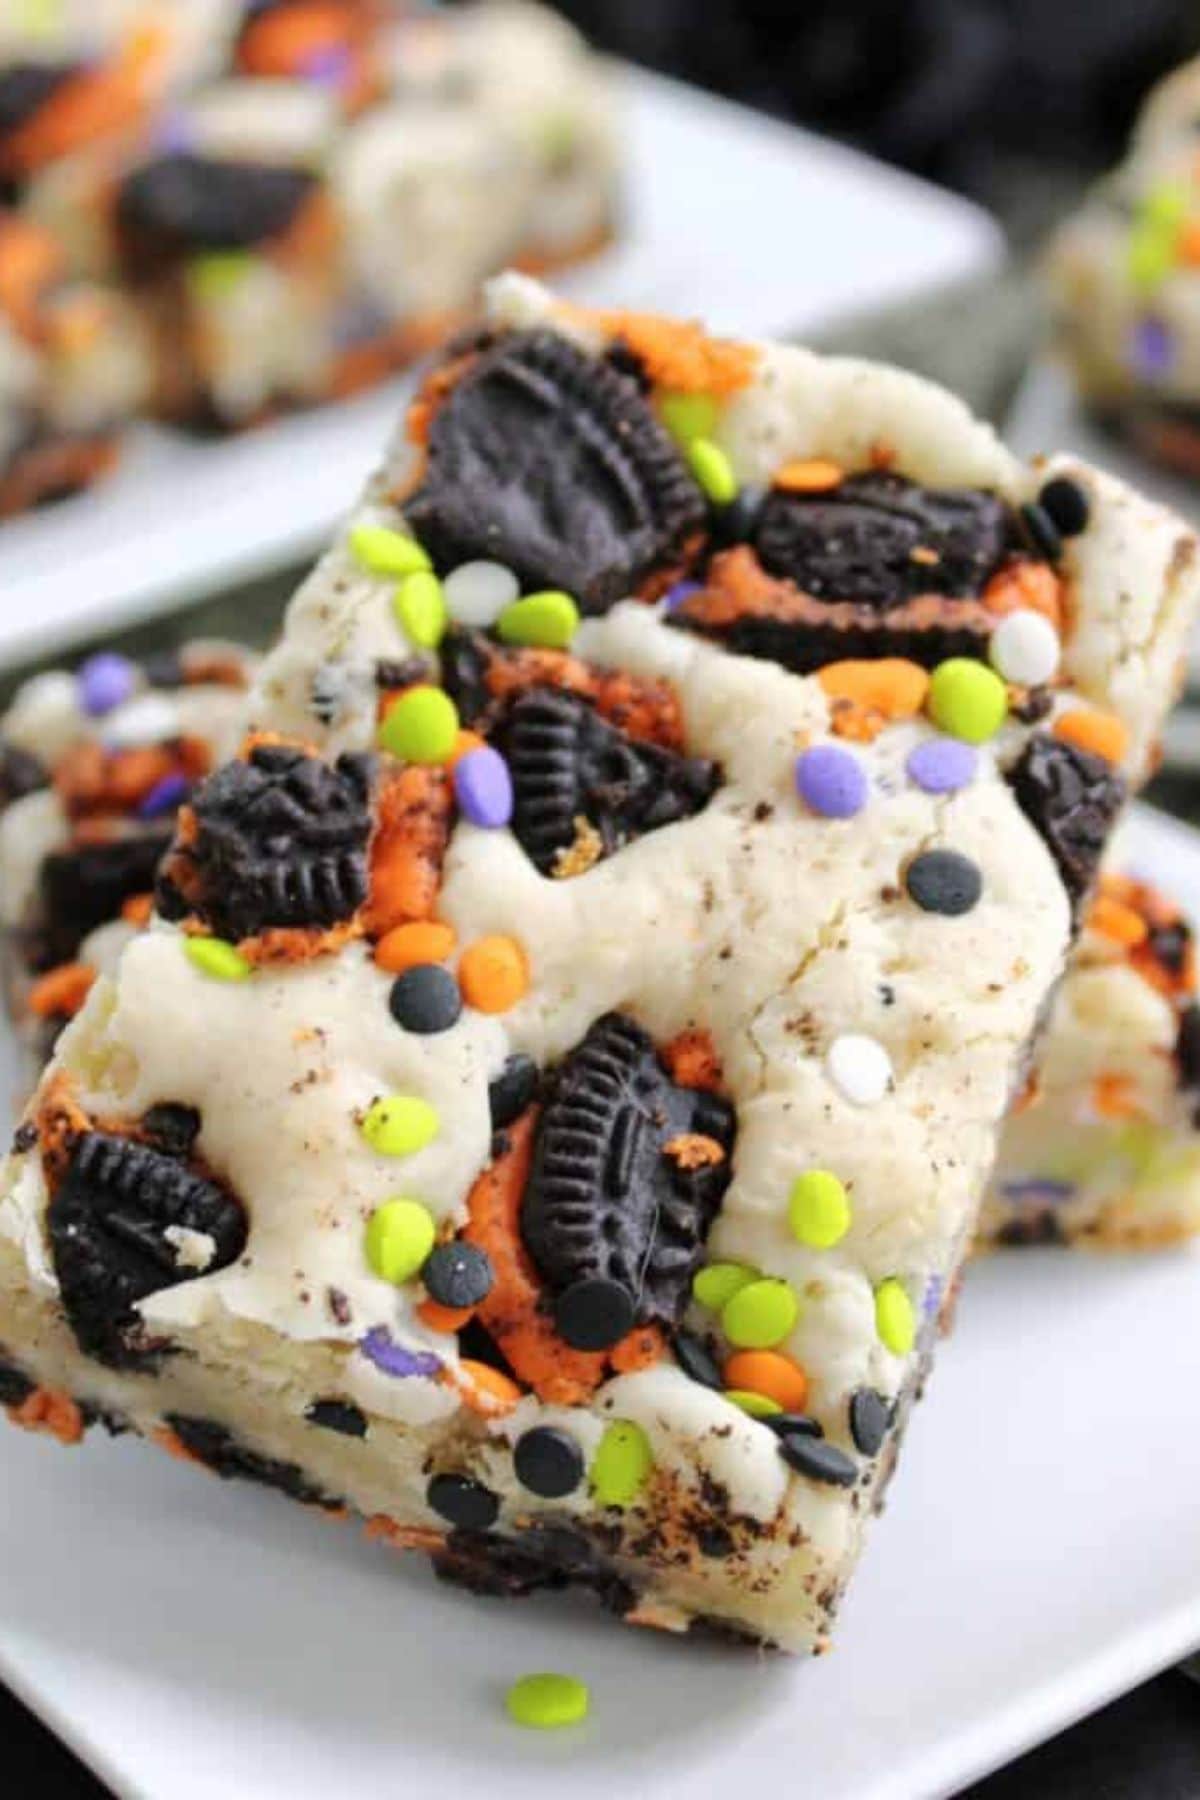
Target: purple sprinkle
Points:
(1040, 1191)
(166, 796)
(942, 765)
(1151, 347)
(683, 590)
(105, 681)
(483, 787)
(931, 1300)
(331, 68)
(174, 134)
(831, 781)
(379, 1347)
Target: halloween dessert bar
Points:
(1103, 1148)
(661, 827)
(1125, 274)
(94, 766)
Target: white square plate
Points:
(756, 226)
(1040, 1553)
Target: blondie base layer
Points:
(557, 1092)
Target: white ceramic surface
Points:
(756, 226)
(1039, 1554)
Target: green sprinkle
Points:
(688, 416)
(421, 726)
(399, 1237)
(967, 700)
(713, 470)
(399, 1125)
(421, 609)
(818, 1209)
(546, 1702)
(895, 1320)
(757, 1405)
(218, 273)
(386, 552)
(213, 956)
(716, 1285)
(760, 1315)
(548, 620)
(1165, 205)
(1150, 256)
(621, 1464)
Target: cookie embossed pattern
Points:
(642, 882)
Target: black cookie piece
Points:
(870, 1420)
(15, 1385)
(21, 773)
(542, 1555)
(820, 1461)
(338, 1415)
(87, 884)
(1072, 798)
(463, 1502)
(550, 461)
(944, 881)
(457, 1274)
(548, 1461)
(182, 204)
(280, 840)
(513, 1089)
(882, 539)
(463, 657)
(217, 1448)
(604, 1200)
(568, 763)
(173, 1127)
(108, 1222)
(1187, 1048)
(25, 88)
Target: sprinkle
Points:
(380, 1348)
(546, 1702)
(1040, 531)
(894, 1318)
(859, 1067)
(149, 719)
(476, 593)
(421, 609)
(760, 1315)
(464, 743)
(214, 957)
(771, 1375)
(1025, 648)
(931, 1299)
(944, 882)
(421, 726)
(483, 788)
(808, 475)
(682, 590)
(818, 1209)
(818, 1460)
(1067, 504)
(622, 1464)
(688, 416)
(485, 1390)
(465, 1503)
(942, 765)
(216, 274)
(548, 1461)
(1101, 733)
(758, 1406)
(399, 1236)
(594, 1313)
(458, 1274)
(385, 552)
(967, 700)
(831, 781)
(420, 941)
(546, 621)
(864, 695)
(696, 1360)
(104, 682)
(870, 1420)
(166, 796)
(399, 1125)
(493, 974)
(61, 991)
(425, 999)
(1113, 919)
(712, 469)
(714, 1286)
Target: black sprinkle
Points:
(457, 1274)
(548, 1462)
(697, 1361)
(870, 1420)
(425, 999)
(794, 1425)
(1066, 505)
(338, 1415)
(818, 1460)
(944, 881)
(463, 1502)
(1041, 531)
(594, 1314)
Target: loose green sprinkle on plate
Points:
(546, 1702)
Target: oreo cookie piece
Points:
(1072, 798)
(568, 764)
(606, 1201)
(513, 1089)
(86, 885)
(21, 773)
(551, 462)
(25, 88)
(216, 1447)
(125, 1222)
(183, 204)
(280, 840)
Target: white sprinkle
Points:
(476, 593)
(1025, 648)
(860, 1068)
(150, 719)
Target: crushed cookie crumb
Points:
(583, 854)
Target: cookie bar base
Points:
(53, 468)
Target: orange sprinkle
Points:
(30, 259)
(865, 695)
(1115, 1097)
(769, 1373)
(808, 475)
(464, 743)
(444, 1318)
(1113, 919)
(1187, 245)
(1102, 733)
(484, 1389)
(421, 941)
(137, 908)
(493, 974)
(51, 1411)
(678, 353)
(1027, 586)
(61, 991)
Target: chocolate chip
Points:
(338, 1415)
(512, 1090)
(594, 1314)
(818, 1460)
(548, 1461)
(944, 881)
(696, 1360)
(1041, 532)
(425, 999)
(870, 1419)
(457, 1274)
(1066, 505)
(794, 1425)
(466, 1504)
